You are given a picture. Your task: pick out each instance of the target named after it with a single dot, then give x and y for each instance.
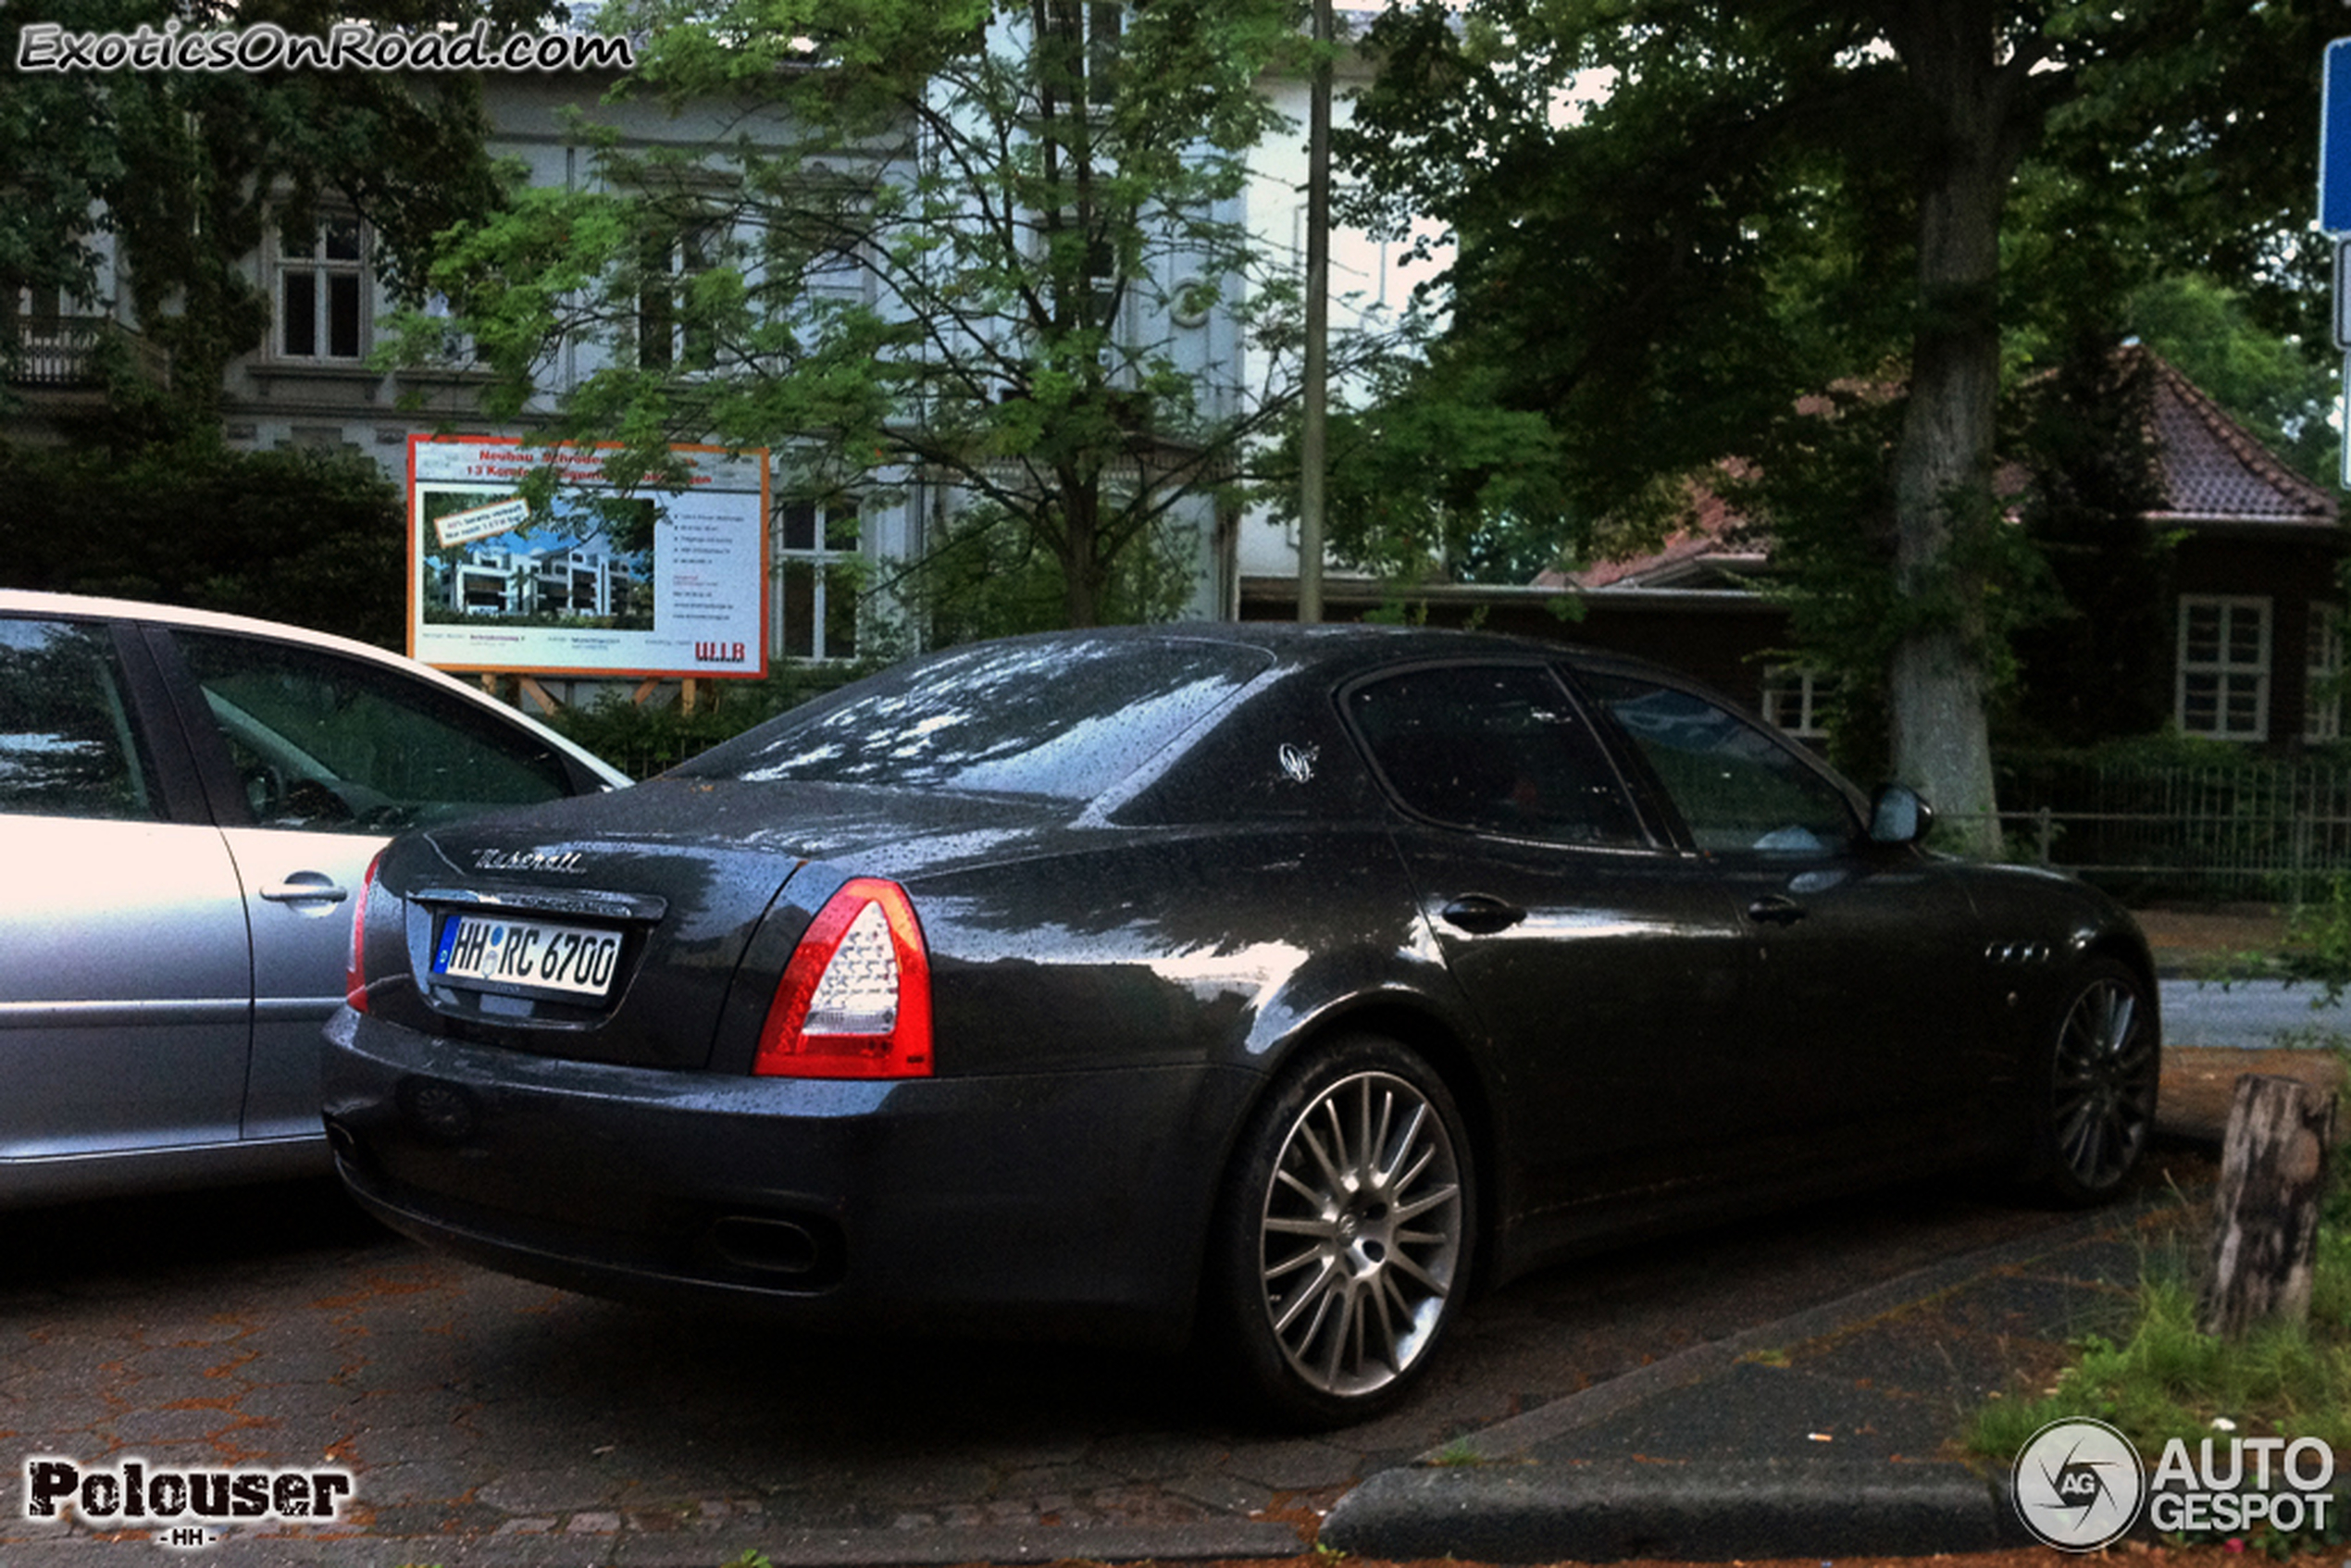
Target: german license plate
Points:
(529, 954)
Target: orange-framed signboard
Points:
(656, 580)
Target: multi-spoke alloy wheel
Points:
(2103, 1071)
(1350, 1230)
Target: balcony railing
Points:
(69, 353)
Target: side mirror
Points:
(1898, 816)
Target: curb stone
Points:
(1527, 1496)
(1613, 1510)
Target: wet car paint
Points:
(1636, 1035)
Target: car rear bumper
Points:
(1062, 1205)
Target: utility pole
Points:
(1312, 441)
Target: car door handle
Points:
(305, 886)
(1483, 914)
(1776, 909)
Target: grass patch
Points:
(2166, 1380)
(2163, 1379)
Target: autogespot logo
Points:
(2078, 1484)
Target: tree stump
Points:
(2265, 1233)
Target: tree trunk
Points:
(2265, 1221)
(1083, 569)
(1943, 463)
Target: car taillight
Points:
(854, 1001)
(355, 973)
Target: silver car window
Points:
(323, 742)
(67, 747)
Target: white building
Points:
(310, 384)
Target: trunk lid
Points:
(617, 927)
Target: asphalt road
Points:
(2247, 1014)
(484, 1420)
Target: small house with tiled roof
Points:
(2258, 651)
(2257, 648)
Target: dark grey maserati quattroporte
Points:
(1270, 983)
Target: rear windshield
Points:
(1053, 718)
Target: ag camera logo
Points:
(2078, 1484)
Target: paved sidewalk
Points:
(1833, 1432)
(1826, 1434)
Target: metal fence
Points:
(2269, 830)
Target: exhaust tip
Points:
(766, 1245)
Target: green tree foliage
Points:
(924, 249)
(2096, 661)
(189, 171)
(1682, 225)
(312, 538)
(1433, 478)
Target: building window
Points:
(817, 574)
(670, 332)
(42, 305)
(322, 290)
(1084, 37)
(837, 270)
(2224, 667)
(1798, 700)
(2322, 677)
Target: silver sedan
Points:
(187, 802)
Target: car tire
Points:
(2100, 1067)
(1344, 1236)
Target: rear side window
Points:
(1736, 787)
(1499, 749)
(66, 744)
(1057, 719)
(323, 742)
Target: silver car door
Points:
(330, 755)
(125, 974)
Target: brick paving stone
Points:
(419, 1481)
(216, 1329)
(560, 1490)
(169, 1426)
(180, 1362)
(543, 1524)
(1295, 1466)
(475, 1408)
(1217, 1490)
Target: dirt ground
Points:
(2200, 1081)
(2203, 933)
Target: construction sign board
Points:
(652, 578)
